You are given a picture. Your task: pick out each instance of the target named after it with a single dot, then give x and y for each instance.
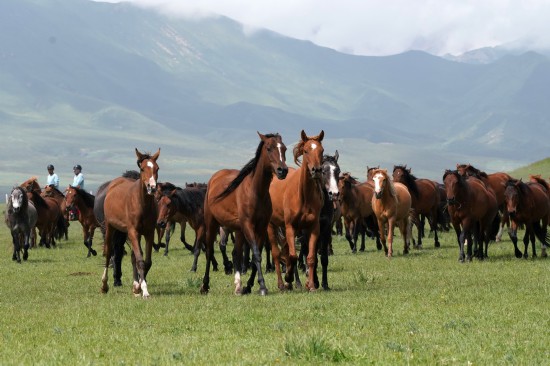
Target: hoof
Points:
(288, 286)
(166, 254)
(104, 289)
(326, 287)
(204, 289)
(117, 283)
(263, 292)
(437, 245)
(246, 290)
(156, 247)
(94, 253)
(25, 256)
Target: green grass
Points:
(425, 308)
(541, 167)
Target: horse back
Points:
(483, 201)
(541, 200)
(224, 209)
(429, 196)
(404, 200)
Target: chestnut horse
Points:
(239, 201)
(473, 210)
(297, 205)
(425, 199)
(84, 201)
(130, 208)
(391, 204)
(356, 205)
(497, 182)
(331, 173)
(51, 224)
(528, 204)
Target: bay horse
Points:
(20, 217)
(425, 200)
(239, 201)
(528, 204)
(297, 204)
(130, 208)
(473, 209)
(356, 205)
(331, 193)
(186, 205)
(50, 223)
(391, 204)
(497, 182)
(59, 197)
(84, 202)
(119, 238)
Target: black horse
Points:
(20, 217)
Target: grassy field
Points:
(425, 308)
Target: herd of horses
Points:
(267, 205)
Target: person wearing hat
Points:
(53, 179)
(78, 182)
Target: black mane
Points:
(410, 179)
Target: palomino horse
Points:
(186, 205)
(20, 217)
(473, 209)
(356, 205)
(331, 173)
(497, 182)
(297, 205)
(391, 204)
(84, 201)
(130, 208)
(239, 201)
(528, 204)
(425, 199)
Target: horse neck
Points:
(261, 178)
(309, 187)
(144, 198)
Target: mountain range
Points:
(87, 82)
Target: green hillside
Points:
(541, 167)
(87, 82)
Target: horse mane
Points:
(524, 191)
(349, 178)
(144, 156)
(249, 168)
(131, 174)
(298, 149)
(538, 179)
(461, 179)
(330, 159)
(57, 191)
(38, 200)
(410, 179)
(196, 185)
(86, 197)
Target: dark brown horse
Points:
(51, 224)
(130, 208)
(297, 204)
(425, 199)
(528, 204)
(391, 204)
(473, 210)
(239, 201)
(84, 202)
(497, 182)
(186, 205)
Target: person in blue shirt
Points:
(78, 182)
(53, 179)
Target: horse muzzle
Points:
(151, 189)
(281, 173)
(161, 224)
(316, 173)
(378, 194)
(333, 196)
(451, 201)
(512, 214)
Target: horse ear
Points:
(336, 155)
(261, 136)
(138, 154)
(304, 136)
(321, 135)
(156, 156)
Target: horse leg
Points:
(276, 254)
(391, 224)
(91, 232)
(403, 224)
(513, 232)
(140, 284)
(349, 237)
(16, 246)
(269, 267)
(107, 248)
(227, 264)
(325, 241)
(312, 257)
(210, 235)
(26, 245)
(382, 233)
(237, 260)
(196, 253)
(118, 252)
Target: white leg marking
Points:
(238, 284)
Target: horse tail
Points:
(542, 235)
(495, 227)
(60, 228)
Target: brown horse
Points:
(356, 206)
(297, 204)
(84, 201)
(239, 201)
(130, 208)
(51, 224)
(31, 184)
(425, 199)
(528, 204)
(497, 182)
(59, 197)
(473, 210)
(391, 204)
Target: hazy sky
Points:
(383, 27)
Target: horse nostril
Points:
(162, 224)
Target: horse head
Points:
(452, 180)
(166, 208)
(311, 149)
(275, 151)
(331, 173)
(381, 183)
(18, 199)
(512, 197)
(148, 170)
